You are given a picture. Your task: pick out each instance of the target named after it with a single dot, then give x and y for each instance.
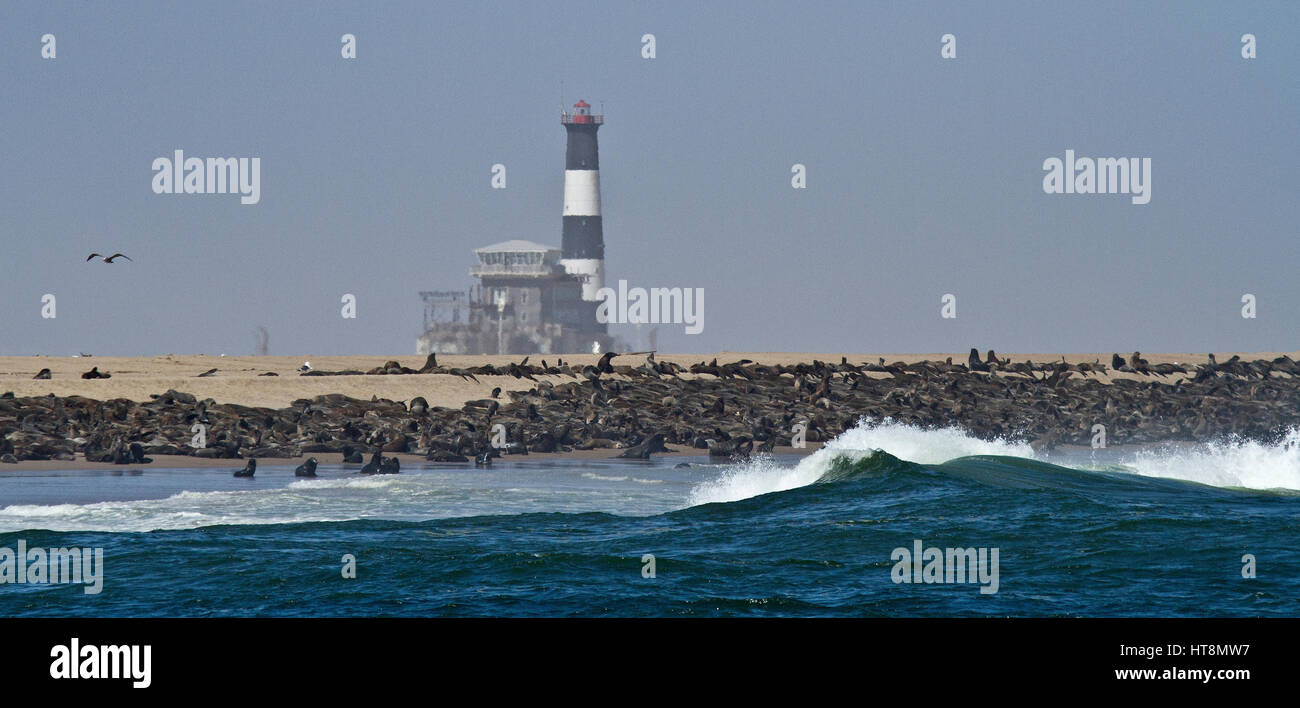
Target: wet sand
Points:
(332, 458)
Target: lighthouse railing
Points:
(515, 268)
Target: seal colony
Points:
(635, 406)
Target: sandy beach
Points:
(238, 378)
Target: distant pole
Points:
(501, 309)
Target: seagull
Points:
(306, 366)
(108, 259)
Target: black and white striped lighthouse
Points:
(583, 244)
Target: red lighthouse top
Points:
(581, 114)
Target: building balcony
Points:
(539, 270)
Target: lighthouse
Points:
(530, 297)
(582, 246)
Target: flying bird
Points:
(108, 259)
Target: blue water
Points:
(1107, 533)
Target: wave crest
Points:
(873, 448)
(905, 442)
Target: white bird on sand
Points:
(306, 366)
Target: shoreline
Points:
(335, 458)
(410, 460)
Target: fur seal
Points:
(43, 374)
(653, 444)
(306, 469)
(249, 469)
(137, 454)
(374, 465)
(95, 373)
(352, 456)
(740, 447)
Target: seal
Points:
(374, 465)
(306, 469)
(739, 448)
(43, 374)
(95, 373)
(430, 365)
(137, 454)
(652, 444)
(249, 469)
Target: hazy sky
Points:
(924, 175)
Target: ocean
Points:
(850, 530)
